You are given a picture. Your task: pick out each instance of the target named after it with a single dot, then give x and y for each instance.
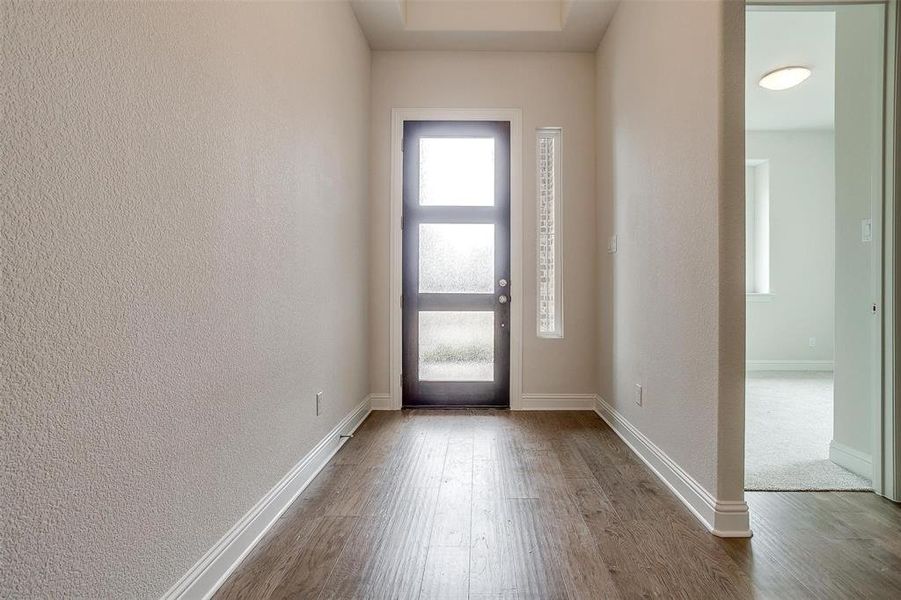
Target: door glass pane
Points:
(456, 258)
(456, 346)
(456, 171)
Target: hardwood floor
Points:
(496, 504)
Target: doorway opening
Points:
(814, 205)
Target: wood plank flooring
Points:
(530, 505)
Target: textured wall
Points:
(670, 186)
(553, 90)
(802, 247)
(184, 245)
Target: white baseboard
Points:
(855, 461)
(789, 365)
(722, 518)
(381, 401)
(558, 402)
(205, 577)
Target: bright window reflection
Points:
(456, 172)
(456, 258)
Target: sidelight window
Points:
(550, 218)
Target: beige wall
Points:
(184, 242)
(552, 89)
(670, 186)
(802, 248)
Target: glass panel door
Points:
(456, 256)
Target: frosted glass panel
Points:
(456, 172)
(456, 258)
(456, 346)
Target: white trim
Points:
(381, 401)
(558, 402)
(204, 578)
(855, 461)
(887, 449)
(398, 116)
(878, 207)
(723, 518)
(759, 296)
(789, 365)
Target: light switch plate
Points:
(866, 230)
(611, 245)
(638, 394)
(318, 402)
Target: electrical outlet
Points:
(812, 342)
(638, 394)
(318, 403)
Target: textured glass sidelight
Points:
(456, 258)
(456, 346)
(456, 172)
(550, 322)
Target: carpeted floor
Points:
(788, 430)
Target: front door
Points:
(456, 263)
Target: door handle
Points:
(502, 299)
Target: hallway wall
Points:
(553, 90)
(670, 171)
(184, 243)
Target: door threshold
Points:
(456, 407)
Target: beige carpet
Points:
(788, 430)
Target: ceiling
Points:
(785, 38)
(521, 25)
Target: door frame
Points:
(398, 116)
(889, 420)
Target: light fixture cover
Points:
(784, 78)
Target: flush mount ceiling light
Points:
(784, 78)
